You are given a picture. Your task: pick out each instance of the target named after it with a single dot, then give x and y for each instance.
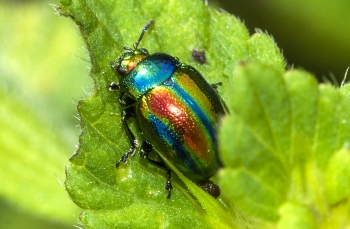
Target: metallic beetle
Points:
(176, 110)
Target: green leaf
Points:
(280, 148)
(295, 216)
(337, 177)
(133, 196)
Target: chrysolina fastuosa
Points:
(177, 112)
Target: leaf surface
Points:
(285, 148)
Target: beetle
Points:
(176, 109)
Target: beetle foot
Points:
(125, 157)
(168, 185)
(216, 85)
(113, 65)
(143, 154)
(146, 148)
(113, 86)
(169, 194)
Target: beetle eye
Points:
(144, 51)
(121, 70)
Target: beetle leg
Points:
(168, 185)
(113, 86)
(126, 114)
(125, 100)
(113, 65)
(215, 85)
(146, 148)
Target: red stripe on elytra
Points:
(172, 111)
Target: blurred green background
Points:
(313, 35)
(44, 72)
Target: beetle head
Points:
(129, 59)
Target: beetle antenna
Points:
(136, 44)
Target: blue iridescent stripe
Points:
(169, 136)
